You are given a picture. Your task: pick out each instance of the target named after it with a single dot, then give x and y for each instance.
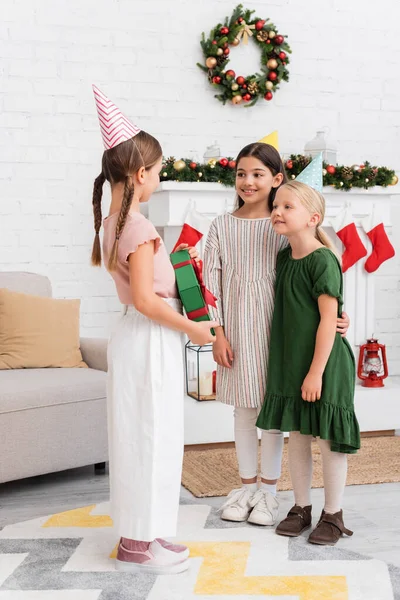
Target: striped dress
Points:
(239, 268)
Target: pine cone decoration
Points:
(347, 173)
(262, 36)
(303, 161)
(221, 60)
(253, 88)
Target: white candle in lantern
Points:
(206, 384)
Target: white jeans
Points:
(145, 423)
(246, 441)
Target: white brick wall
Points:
(344, 75)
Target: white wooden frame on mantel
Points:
(167, 210)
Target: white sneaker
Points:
(265, 511)
(157, 559)
(237, 506)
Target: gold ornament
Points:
(211, 62)
(179, 165)
(165, 174)
(200, 174)
(395, 180)
(212, 162)
(324, 171)
(355, 167)
(220, 51)
(237, 99)
(366, 180)
(236, 42)
(245, 32)
(253, 88)
(271, 34)
(235, 87)
(341, 183)
(272, 63)
(293, 176)
(262, 36)
(269, 85)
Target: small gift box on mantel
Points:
(192, 290)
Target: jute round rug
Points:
(215, 472)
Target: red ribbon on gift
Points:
(209, 298)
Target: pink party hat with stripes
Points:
(114, 126)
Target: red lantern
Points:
(372, 369)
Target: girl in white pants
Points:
(145, 378)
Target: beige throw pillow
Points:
(37, 332)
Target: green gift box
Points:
(190, 286)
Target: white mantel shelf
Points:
(207, 422)
(213, 198)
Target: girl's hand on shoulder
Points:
(193, 253)
(343, 324)
(311, 388)
(222, 352)
(200, 333)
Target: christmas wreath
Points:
(223, 171)
(274, 58)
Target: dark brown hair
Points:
(270, 158)
(118, 165)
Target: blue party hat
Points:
(312, 174)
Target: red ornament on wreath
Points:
(289, 164)
(223, 162)
(245, 27)
(330, 169)
(192, 165)
(232, 164)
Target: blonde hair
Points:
(118, 165)
(314, 202)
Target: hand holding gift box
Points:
(191, 287)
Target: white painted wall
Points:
(344, 75)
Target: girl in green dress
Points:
(311, 371)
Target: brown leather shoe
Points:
(297, 521)
(329, 529)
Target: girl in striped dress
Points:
(239, 260)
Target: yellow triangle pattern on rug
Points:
(79, 517)
(223, 572)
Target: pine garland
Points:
(224, 171)
(343, 177)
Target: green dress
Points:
(299, 283)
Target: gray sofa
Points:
(52, 419)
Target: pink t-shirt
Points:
(138, 230)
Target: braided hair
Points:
(118, 165)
